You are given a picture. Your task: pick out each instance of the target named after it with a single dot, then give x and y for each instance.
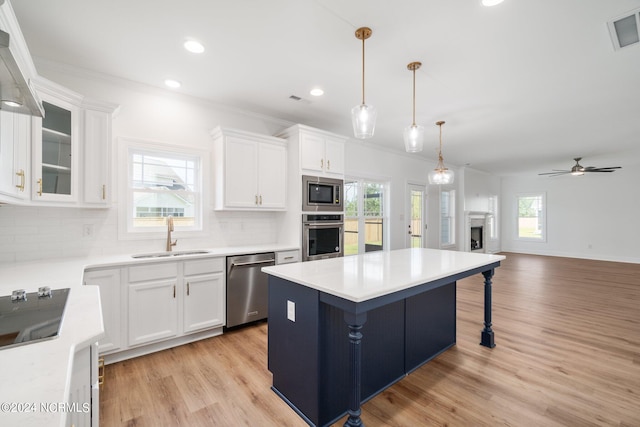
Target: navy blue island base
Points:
(339, 353)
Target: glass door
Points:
(55, 151)
(416, 208)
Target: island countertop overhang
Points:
(365, 277)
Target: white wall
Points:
(478, 187)
(593, 216)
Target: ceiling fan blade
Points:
(555, 173)
(607, 169)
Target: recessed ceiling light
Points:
(491, 2)
(173, 84)
(193, 46)
(11, 103)
(317, 92)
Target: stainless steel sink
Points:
(168, 254)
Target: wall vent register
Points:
(27, 318)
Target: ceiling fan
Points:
(578, 169)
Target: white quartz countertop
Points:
(40, 373)
(363, 277)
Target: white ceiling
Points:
(524, 86)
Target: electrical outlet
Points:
(87, 231)
(291, 310)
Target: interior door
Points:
(415, 216)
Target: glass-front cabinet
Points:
(55, 151)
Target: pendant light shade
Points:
(440, 175)
(414, 134)
(413, 138)
(363, 116)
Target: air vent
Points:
(624, 30)
(299, 99)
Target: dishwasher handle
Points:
(242, 264)
(245, 264)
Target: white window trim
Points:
(125, 144)
(543, 236)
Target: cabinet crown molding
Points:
(219, 131)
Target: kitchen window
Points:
(365, 220)
(162, 181)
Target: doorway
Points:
(416, 209)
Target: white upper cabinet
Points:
(97, 151)
(321, 153)
(272, 176)
(55, 150)
(15, 144)
(250, 171)
(71, 149)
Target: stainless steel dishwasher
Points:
(247, 288)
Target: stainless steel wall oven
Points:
(322, 236)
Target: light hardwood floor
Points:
(567, 354)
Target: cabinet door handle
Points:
(328, 164)
(39, 186)
(174, 291)
(104, 192)
(21, 175)
(256, 199)
(261, 199)
(288, 257)
(187, 288)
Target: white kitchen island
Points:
(342, 330)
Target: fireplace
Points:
(477, 238)
(476, 231)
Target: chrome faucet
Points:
(169, 230)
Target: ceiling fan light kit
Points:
(363, 116)
(440, 175)
(414, 134)
(579, 170)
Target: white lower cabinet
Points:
(153, 311)
(109, 283)
(204, 294)
(84, 391)
(172, 299)
(287, 257)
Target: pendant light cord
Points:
(363, 39)
(414, 97)
(440, 166)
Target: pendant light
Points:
(363, 116)
(440, 175)
(414, 134)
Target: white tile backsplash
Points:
(33, 233)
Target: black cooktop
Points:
(31, 317)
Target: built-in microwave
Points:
(321, 194)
